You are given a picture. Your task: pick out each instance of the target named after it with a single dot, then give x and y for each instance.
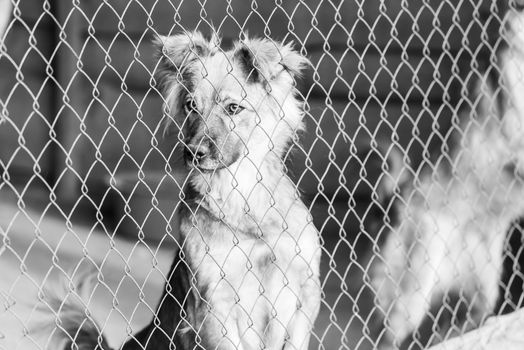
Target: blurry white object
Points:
(6, 7)
(5, 16)
(500, 332)
(453, 220)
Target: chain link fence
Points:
(409, 163)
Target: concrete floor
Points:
(38, 246)
(38, 243)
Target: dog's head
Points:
(229, 105)
(512, 73)
(499, 102)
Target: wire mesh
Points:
(408, 158)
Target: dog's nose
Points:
(196, 152)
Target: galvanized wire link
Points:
(409, 159)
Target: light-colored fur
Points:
(247, 235)
(453, 221)
(6, 7)
(249, 241)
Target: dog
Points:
(449, 237)
(247, 275)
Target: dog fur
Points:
(250, 252)
(453, 219)
(245, 230)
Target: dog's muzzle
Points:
(196, 154)
(204, 157)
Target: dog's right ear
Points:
(174, 76)
(488, 102)
(395, 170)
(175, 53)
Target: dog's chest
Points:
(232, 262)
(239, 263)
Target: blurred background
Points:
(87, 175)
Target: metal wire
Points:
(405, 103)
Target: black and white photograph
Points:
(261, 175)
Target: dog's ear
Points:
(175, 53)
(263, 60)
(393, 168)
(488, 101)
(174, 76)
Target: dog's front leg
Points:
(220, 331)
(302, 321)
(293, 314)
(250, 323)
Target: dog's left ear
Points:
(263, 60)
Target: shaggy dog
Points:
(453, 219)
(247, 276)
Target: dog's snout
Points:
(196, 152)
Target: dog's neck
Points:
(246, 194)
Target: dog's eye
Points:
(233, 109)
(190, 106)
